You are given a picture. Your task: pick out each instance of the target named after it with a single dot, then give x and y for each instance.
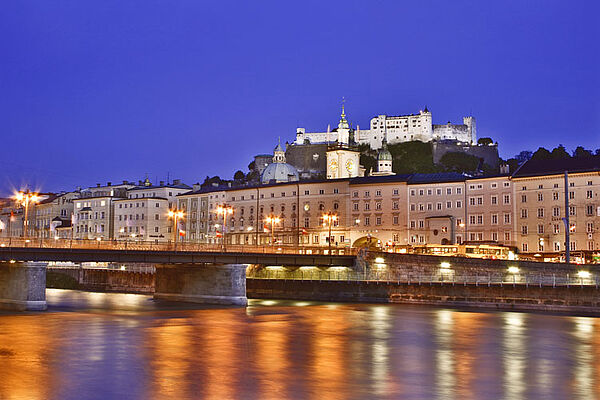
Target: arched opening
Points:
(371, 242)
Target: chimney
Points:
(176, 181)
(162, 183)
(108, 183)
(97, 185)
(124, 182)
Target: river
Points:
(123, 346)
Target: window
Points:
(395, 192)
(556, 228)
(448, 204)
(307, 222)
(540, 213)
(524, 229)
(395, 220)
(524, 247)
(429, 207)
(458, 204)
(421, 224)
(378, 221)
(494, 200)
(540, 196)
(421, 192)
(336, 191)
(367, 221)
(556, 246)
(413, 224)
(540, 229)
(367, 206)
(378, 205)
(413, 192)
(307, 192)
(449, 191)
(571, 195)
(494, 219)
(506, 198)
(459, 190)
(378, 193)
(572, 210)
(156, 217)
(321, 191)
(556, 211)
(395, 205)
(589, 210)
(589, 227)
(413, 207)
(438, 206)
(507, 218)
(523, 213)
(523, 198)
(438, 192)
(367, 193)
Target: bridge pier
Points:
(202, 283)
(23, 286)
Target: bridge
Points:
(191, 272)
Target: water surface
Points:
(116, 346)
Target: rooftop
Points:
(556, 167)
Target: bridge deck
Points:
(169, 256)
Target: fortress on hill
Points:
(396, 129)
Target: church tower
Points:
(384, 160)
(343, 157)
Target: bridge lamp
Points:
(273, 220)
(513, 270)
(175, 215)
(225, 210)
(329, 218)
(445, 265)
(379, 260)
(25, 198)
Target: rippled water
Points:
(98, 345)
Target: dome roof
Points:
(279, 172)
(384, 155)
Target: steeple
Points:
(343, 122)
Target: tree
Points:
(513, 164)
(251, 166)
(412, 157)
(541, 154)
(523, 156)
(368, 162)
(580, 152)
(455, 161)
(239, 175)
(560, 153)
(485, 141)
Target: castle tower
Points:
(343, 130)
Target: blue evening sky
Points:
(97, 91)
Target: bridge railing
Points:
(183, 247)
(345, 274)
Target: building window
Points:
(540, 229)
(494, 200)
(378, 193)
(525, 247)
(540, 197)
(506, 199)
(540, 213)
(524, 229)
(507, 218)
(494, 219)
(458, 204)
(523, 213)
(378, 221)
(367, 221)
(395, 220)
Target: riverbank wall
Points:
(100, 280)
(517, 297)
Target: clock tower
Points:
(343, 157)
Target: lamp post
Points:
(175, 215)
(225, 210)
(26, 197)
(329, 218)
(271, 219)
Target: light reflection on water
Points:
(96, 345)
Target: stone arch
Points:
(366, 241)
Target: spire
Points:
(343, 122)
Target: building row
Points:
(526, 210)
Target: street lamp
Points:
(329, 219)
(271, 219)
(175, 215)
(26, 197)
(225, 210)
